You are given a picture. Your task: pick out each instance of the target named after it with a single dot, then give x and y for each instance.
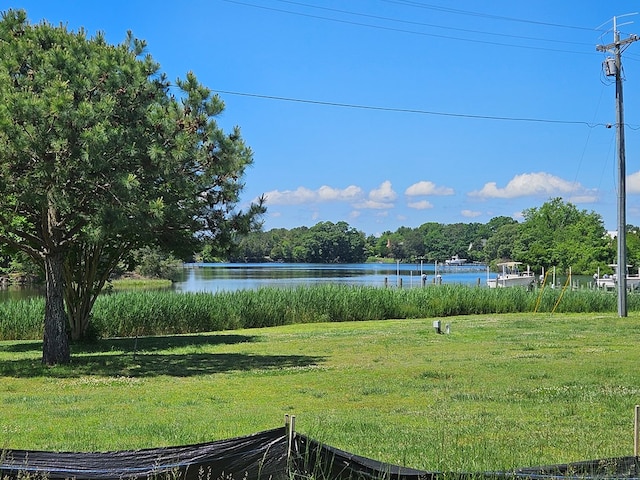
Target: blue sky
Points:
(390, 113)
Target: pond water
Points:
(214, 277)
(218, 277)
(20, 292)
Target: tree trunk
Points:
(79, 276)
(55, 345)
(86, 271)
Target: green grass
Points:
(501, 391)
(140, 283)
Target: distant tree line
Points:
(557, 234)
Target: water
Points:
(20, 292)
(215, 277)
(218, 277)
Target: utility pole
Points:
(613, 67)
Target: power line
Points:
(400, 30)
(484, 15)
(411, 110)
(422, 24)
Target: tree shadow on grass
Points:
(159, 343)
(130, 357)
(22, 347)
(138, 344)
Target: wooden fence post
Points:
(636, 431)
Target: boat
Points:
(455, 261)
(511, 276)
(610, 282)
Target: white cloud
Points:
(304, 195)
(529, 184)
(289, 197)
(384, 193)
(470, 213)
(633, 183)
(427, 188)
(421, 205)
(371, 204)
(327, 194)
(380, 198)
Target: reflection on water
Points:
(20, 292)
(214, 277)
(218, 277)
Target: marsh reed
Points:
(135, 313)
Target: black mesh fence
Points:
(259, 456)
(323, 462)
(621, 467)
(276, 454)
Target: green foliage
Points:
(153, 263)
(633, 246)
(499, 246)
(101, 154)
(19, 263)
(325, 242)
(555, 235)
(558, 234)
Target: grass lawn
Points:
(497, 392)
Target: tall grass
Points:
(21, 319)
(136, 313)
